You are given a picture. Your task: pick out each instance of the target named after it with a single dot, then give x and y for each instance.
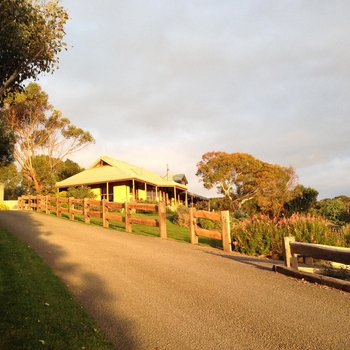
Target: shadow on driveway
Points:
(259, 263)
(92, 291)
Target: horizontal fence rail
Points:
(313, 251)
(333, 277)
(102, 209)
(224, 234)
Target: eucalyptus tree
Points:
(240, 177)
(31, 37)
(39, 129)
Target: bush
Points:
(261, 235)
(182, 216)
(208, 224)
(80, 192)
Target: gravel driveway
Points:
(147, 293)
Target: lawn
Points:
(174, 232)
(36, 309)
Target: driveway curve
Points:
(147, 293)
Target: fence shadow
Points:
(91, 290)
(259, 263)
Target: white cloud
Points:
(164, 82)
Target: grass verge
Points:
(36, 309)
(174, 232)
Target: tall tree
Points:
(304, 198)
(31, 37)
(39, 129)
(67, 169)
(48, 176)
(276, 185)
(232, 174)
(240, 177)
(11, 178)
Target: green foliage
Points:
(11, 178)
(208, 224)
(242, 178)
(202, 205)
(240, 214)
(335, 210)
(304, 199)
(7, 142)
(80, 192)
(43, 137)
(261, 235)
(31, 37)
(48, 176)
(220, 203)
(67, 169)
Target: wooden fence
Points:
(313, 251)
(107, 211)
(224, 234)
(311, 273)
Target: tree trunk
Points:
(31, 175)
(8, 82)
(36, 185)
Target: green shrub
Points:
(260, 235)
(81, 192)
(208, 224)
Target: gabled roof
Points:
(106, 169)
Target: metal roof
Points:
(116, 170)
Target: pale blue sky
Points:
(162, 82)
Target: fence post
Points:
(38, 203)
(86, 211)
(47, 203)
(226, 231)
(128, 227)
(33, 202)
(162, 220)
(71, 208)
(194, 238)
(58, 207)
(104, 212)
(287, 251)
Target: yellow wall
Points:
(11, 204)
(121, 193)
(142, 194)
(97, 192)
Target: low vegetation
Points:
(37, 310)
(261, 235)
